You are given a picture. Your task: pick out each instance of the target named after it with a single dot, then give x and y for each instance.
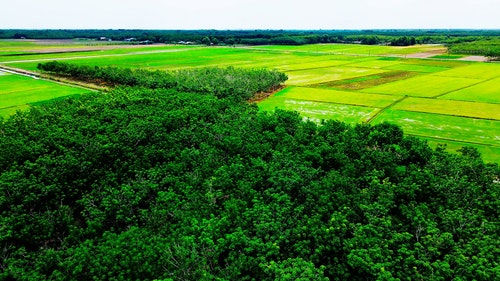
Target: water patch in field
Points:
(318, 110)
(409, 120)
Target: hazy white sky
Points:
(249, 14)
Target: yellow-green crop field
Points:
(439, 98)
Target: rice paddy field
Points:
(18, 91)
(428, 93)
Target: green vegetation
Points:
(423, 86)
(364, 82)
(477, 71)
(488, 91)
(448, 57)
(18, 91)
(219, 82)
(368, 72)
(161, 184)
(323, 75)
(489, 48)
(450, 107)
(489, 153)
(417, 68)
(317, 111)
(454, 128)
(261, 37)
(334, 96)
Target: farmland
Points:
(184, 165)
(441, 99)
(18, 91)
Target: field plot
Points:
(479, 71)
(488, 91)
(488, 153)
(444, 127)
(19, 91)
(322, 75)
(417, 68)
(317, 111)
(355, 49)
(334, 96)
(442, 99)
(375, 63)
(423, 86)
(448, 57)
(450, 107)
(309, 65)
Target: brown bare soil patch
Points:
(369, 81)
(264, 95)
(474, 58)
(425, 55)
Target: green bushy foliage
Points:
(157, 184)
(228, 82)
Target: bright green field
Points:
(489, 153)
(441, 99)
(322, 75)
(334, 96)
(423, 86)
(488, 91)
(462, 129)
(447, 56)
(450, 107)
(317, 111)
(376, 63)
(17, 91)
(478, 70)
(353, 49)
(417, 68)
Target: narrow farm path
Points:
(57, 80)
(385, 108)
(468, 86)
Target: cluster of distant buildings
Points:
(129, 40)
(186, 43)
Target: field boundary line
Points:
(472, 85)
(332, 102)
(455, 140)
(471, 101)
(384, 109)
(454, 115)
(45, 77)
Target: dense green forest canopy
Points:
(489, 48)
(169, 184)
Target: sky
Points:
(250, 14)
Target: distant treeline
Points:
(261, 37)
(229, 82)
(489, 48)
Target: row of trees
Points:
(227, 82)
(488, 48)
(161, 184)
(261, 37)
